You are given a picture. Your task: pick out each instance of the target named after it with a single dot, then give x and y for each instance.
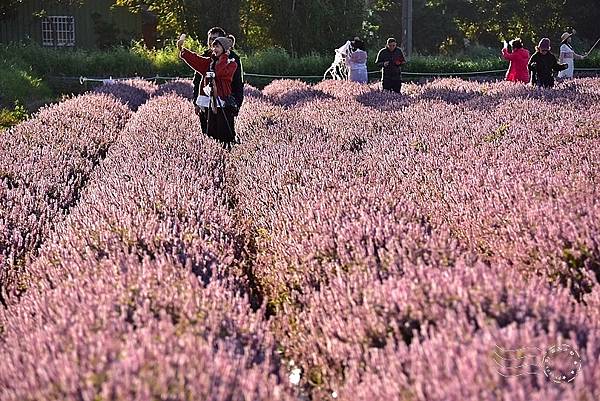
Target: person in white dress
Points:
(356, 61)
(568, 55)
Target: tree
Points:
(255, 19)
(445, 24)
(193, 17)
(584, 15)
(487, 23)
(7, 7)
(302, 26)
(433, 26)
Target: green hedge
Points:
(64, 62)
(138, 61)
(117, 62)
(10, 117)
(18, 83)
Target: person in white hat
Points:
(568, 55)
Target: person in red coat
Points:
(517, 69)
(215, 97)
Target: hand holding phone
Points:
(180, 41)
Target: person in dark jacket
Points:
(391, 59)
(215, 100)
(543, 64)
(237, 85)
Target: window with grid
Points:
(61, 26)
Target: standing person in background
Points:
(568, 55)
(149, 25)
(216, 102)
(517, 69)
(356, 62)
(237, 85)
(543, 64)
(391, 59)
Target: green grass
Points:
(21, 92)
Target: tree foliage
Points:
(304, 26)
(192, 17)
(9, 7)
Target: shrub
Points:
(9, 117)
(356, 245)
(18, 83)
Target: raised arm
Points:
(194, 60)
(507, 56)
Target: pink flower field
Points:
(437, 245)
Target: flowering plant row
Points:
(357, 245)
(135, 295)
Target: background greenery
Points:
(439, 26)
(31, 76)
(305, 26)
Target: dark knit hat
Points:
(225, 42)
(544, 44)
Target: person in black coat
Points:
(237, 86)
(543, 64)
(391, 59)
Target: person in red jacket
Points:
(517, 69)
(215, 98)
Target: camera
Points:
(210, 75)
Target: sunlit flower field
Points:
(436, 245)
